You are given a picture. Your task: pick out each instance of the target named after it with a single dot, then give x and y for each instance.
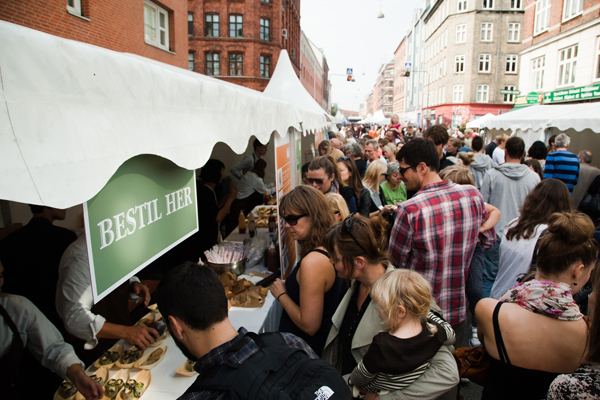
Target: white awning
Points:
(72, 113)
(477, 123)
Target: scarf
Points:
(553, 299)
(335, 186)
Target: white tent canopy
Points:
(480, 122)
(379, 119)
(72, 113)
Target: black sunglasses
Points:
(403, 170)
(292, 220)
(346, 228)
(318, 181)
(344, 158)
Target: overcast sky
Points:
(352, 36)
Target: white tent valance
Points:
(72, 113)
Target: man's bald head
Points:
(337, 143)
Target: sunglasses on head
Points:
(346, 225)
(292, 220)
(344, 158)
(318, 181)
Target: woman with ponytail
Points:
(536, 330)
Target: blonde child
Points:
(413, 335)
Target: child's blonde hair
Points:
(458, 175)
(405, 288)
(338, 204)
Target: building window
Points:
(514, 32)
(485, 60)
(265, 1)
(511, 64)
(461, 33)
(509, 98)
(486, 32)
(483, 93)
(74, 6)
(457, 94)
(211, 25)
(597, 74)
(156, 26)
(191, 61)
(236, 25)
(236, 64)
(567, 63)
(572, 8)
(459, 64)
(213, 64)
(264, 29)
(190, 24)
(537, 73)
(462, 5)
(265, 66)
(488, 4)
(515, 4)
(542, 16)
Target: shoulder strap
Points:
(502, 353)
(326, 254)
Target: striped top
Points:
(564, 166)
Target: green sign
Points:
(146, 208)
(533, 98)
(510, 91)
(528, 100)
(580, 93)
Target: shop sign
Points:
(147, 207)
(574, 94)
(528, 99)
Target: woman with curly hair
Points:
(311, 293)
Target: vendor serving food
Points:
(93, 325)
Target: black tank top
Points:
(330, 303)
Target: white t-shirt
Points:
(498, 156)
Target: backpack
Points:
(276, 371)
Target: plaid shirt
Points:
(222, 354)
(435, 234)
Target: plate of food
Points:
(187, 368)
(135, 386)
(153, 308)
(110, 357)
(151, 358)
(100, 375)
(147, 319)
(130, 356)
(115, 384)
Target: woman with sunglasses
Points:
(357, 248)
(324, 175)
(311, 293)
(351, 177)
(376, 174)
(338, 206)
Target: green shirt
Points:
(394, 196)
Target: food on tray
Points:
(131, 355)
(187, 368)
(189, 365)
(113, 387)
(133, 390)
(154, 356)
(108, 357)
(67, 389)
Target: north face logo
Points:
(324, 393)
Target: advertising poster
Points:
(147, 207)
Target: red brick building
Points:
(239, 40)
(152, 29)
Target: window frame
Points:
(209, 26)
(462, 32)
(509, 98)
(265, 30)
(191, 55)
(540, 12)
(596, 76)
(459, 60)
(516, 31)
(190, 26)
(515, 4)
(464, 3)
(537, 71)
(265, 57)
(482, 91)
(456, 92)
(487, 61)
(75, 8)
(158, 11)
(241, 62)
(511, 59)
(212, 63)
(568, 66)
(566, 17)
(236, 23)
(487, 4)
(485, 29)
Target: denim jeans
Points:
(490, 269)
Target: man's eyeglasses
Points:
(403, 170)
(292, 220)
(318, 181)
(346, 228)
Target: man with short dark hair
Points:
(562, 164)
(587, 174)
(436, 231)
(192, 302)
(505, 187)
(247, 163)
(438, 134)
(371, 149)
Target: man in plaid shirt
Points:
(436, 231)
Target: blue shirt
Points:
(564, 166)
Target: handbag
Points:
(473, 363)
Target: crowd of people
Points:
(404, 236)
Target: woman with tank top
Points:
(311, 293)
(525, 331)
